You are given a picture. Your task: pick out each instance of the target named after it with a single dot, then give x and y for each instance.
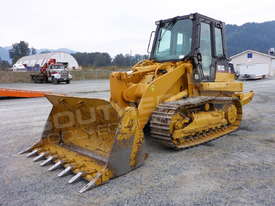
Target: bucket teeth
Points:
(39, 157)
(90, 184)
(22, 152)
(49, 159)
(65, 171)
(25, 151)
(55, 166)
(75, 178)
(32, 153)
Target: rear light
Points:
(53, 72)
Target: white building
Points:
(254, 60)
(41, 59)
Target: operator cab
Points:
(192, 37)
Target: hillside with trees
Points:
(255, 36)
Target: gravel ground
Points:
(237, 169)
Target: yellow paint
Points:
(246, 97)
(229, 86)
(224, 77)
(201, 121)
(151, 98)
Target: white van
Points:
(19, 68)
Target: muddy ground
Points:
(237, 169)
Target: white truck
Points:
(52, 72)
(253, 71)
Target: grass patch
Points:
(85, 74)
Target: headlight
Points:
(57, 76)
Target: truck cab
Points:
(58, 73)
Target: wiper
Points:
(168, 27)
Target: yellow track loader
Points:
(185, 94)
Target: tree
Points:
(45, 52)
(83, 58)
(4, 65)
(128, 60)
(102, 59)
(33, 51)
(96, 59)
(119, 60)
(19, 50)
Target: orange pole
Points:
(20, 93)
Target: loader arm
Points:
(160, 90)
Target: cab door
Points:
(211, 50)
(221, 63)
(205, 50)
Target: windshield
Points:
(57, 67)
(173, 41)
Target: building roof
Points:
(249, 50)
(41, 59)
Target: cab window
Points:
(205, 49)
(218, 42)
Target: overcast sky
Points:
(114, 26)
